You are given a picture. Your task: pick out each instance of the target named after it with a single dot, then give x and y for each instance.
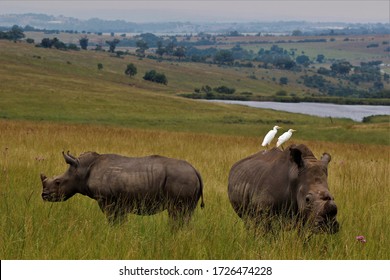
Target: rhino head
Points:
(316, 206)
(62, 187)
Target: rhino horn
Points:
(71, 160)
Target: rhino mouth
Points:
(47, 197)
(326, 226)
(51, 197)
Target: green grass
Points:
(49, 88)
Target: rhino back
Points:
(259, 181)
(113, 175)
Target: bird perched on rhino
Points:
(284, 138)
(269, 136)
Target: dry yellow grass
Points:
(76, 229)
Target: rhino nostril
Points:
(331, 209)
(327, 197)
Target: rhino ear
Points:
(296, 156)
(326, 158)
(71, 160)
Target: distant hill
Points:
(51, 22)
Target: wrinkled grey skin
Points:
(291, 184)
(121, 185)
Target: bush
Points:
(283, 80)
(281, 93)
(225, 89)
(156, 77)
(131, 70)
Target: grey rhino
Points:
(290, 184)
(121, 185)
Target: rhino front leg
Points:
(115, 214)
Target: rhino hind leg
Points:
(180, 212)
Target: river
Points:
(354, 112)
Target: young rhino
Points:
(291, 184)
(121, 185)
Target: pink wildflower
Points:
(361, 239)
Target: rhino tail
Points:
(201, 189)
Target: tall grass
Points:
(76, 229)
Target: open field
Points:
(76, 229)
(53, 101)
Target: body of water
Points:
(354, 112)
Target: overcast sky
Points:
(201, 10)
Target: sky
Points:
(353, 11)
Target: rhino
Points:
(121, 185)
(290, 185)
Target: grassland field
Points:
(53, 101)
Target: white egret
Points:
(269, 136)
(284, 137)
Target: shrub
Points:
(131, 70)
(225, 89)
(156, 77)
(283, 80)
(281, 93)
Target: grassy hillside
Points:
(52, 85)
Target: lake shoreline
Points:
(291, 99)
(354, 112)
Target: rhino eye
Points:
(308, 198)
(57, 183)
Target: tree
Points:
(170, 47)
(160, 49)
(303, 59)
(131, 70)
(142, 47)
(297, 32)
(14, 34)
(46, 43)
(180, 52)
(320, 58)
(224, 57)
(341, 67)
(113, 44)
(83, 43)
